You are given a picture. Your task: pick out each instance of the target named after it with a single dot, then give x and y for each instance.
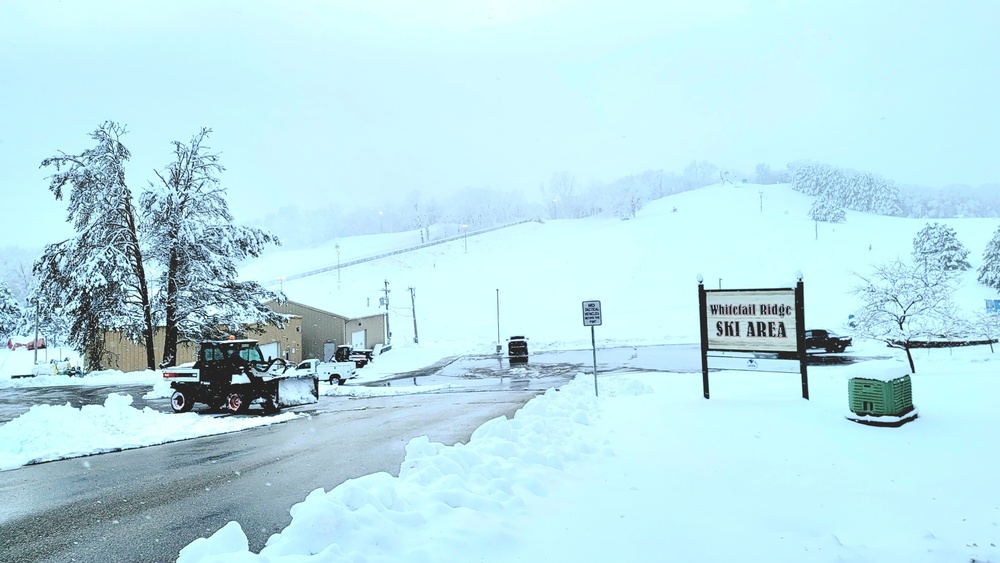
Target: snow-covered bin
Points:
(880, 393)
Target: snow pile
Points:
(445, 498)
(47, 433)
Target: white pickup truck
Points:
(334, 373)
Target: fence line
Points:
(395, 252)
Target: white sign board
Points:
(760, 320)
(591, 313)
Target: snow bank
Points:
(47, 432)
(445, 496)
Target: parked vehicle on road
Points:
(233, 374)
(334, 373)
(517, 349)
(827, 340)
(361, 356)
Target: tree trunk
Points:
(909, 356)
(170, 330)
(140, 273)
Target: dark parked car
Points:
(827, 340)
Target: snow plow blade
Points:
(294, 391)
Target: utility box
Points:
(517, 350)
(879, 393)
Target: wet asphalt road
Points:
(468, 373)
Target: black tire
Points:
(270, 407)
(335, 379)
(181, 402)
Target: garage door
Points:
(269, 350)
(358, 339)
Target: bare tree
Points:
(903, 303)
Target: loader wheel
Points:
(180, 402)
(236, 403)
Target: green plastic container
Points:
(873, 397)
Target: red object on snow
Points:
(38, 344)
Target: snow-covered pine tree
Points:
(855, 195)
(885, 198)
(989, 271)
(98, 276)
(50, 321)
(812, 178)
(192, 236)
(937, 246)
(805, 177)
(826, 208)
(10, 312)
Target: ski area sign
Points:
(758, 320)
(753, 329)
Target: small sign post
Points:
(592, 318)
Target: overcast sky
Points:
(329, 100)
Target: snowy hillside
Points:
(644, 270)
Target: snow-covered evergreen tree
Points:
(10, 312)
(937, 246)
(98, 276)
(989, 271)
(884, 195)
(825, 208)
(49, 322)
(192, 236)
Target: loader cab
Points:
(343, 353)
(214, 352)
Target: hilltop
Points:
(643, 270)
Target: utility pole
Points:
(413, 305)
(36, 330)
(761, 192)
(388, 333)
(499, 346)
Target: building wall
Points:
(320, 327)
(126, 356)
(374, 326)
(303, 337)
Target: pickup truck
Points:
(827, 340)
(335, 373)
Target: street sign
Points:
(591, 313)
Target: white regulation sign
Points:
(591, 313)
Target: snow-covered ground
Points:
(649, 470)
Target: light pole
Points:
(281, 285)
(337, 246)
(465, 237)
(380, 221)
(555, 207)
